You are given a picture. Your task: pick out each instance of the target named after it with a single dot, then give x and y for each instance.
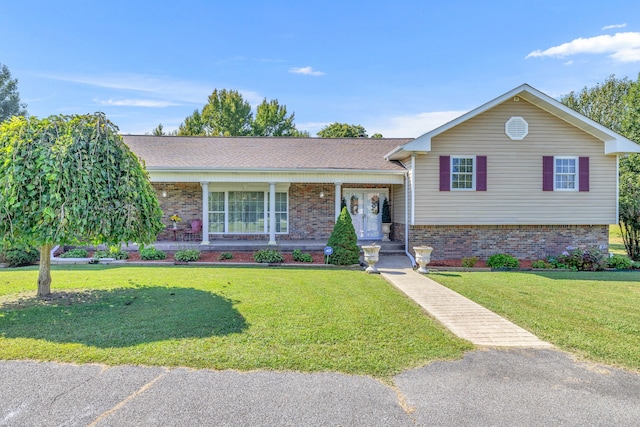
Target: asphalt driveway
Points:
(488, 387)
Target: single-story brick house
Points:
(522, 174)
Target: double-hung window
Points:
(463, 173)
(565, 173)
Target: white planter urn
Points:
(371, 256)
(386, 229)
(423, 257)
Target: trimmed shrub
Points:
(186, 255)
(386, 211)
(152, 254)
(620, 262)
(269, 256)
(469, 262)
(19, 256)
(541, 264)
(300, 257)
(225, 255)
(114, 252)
(592, 259)
(344, 241)
(75, 253)
(503, 261)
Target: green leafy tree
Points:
(227, 114)
(272, 120)
(344, 241)
(10, 104)
(377, 136)
(604, 103)
(616, 105)
(193, 125)
(630, 213)
(342, 130)
(68, 180)
(159, 130)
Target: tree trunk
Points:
(44, 276)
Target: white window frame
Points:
(472, 173)
(266, 212)
(576, 173)
(280, 212)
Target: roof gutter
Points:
(279, 170)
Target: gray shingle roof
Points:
(192, 152)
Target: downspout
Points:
(617, 188)
(406, 218)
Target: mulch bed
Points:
(524, 264)
(318, 258)
(238, 257)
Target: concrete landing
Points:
(463, 317)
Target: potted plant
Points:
(386, 220)
(175, 219)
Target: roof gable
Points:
(614, 143)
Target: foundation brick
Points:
(526, 242)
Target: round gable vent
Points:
(516, 128)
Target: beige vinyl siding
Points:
(398, 207)
(514, 173)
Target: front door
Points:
(365, 208)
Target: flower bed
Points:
(238, 257)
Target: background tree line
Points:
(227, 113)
(615, 103)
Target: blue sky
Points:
(396, 67)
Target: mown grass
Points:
(616, 245)
(594, 315)
(220, 318)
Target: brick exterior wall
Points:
(527, 242)
(183, 199)
(310, 216)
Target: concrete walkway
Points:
(460, 315)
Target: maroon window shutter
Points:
(445, 173)
(481, 173)
(547, 173)
(583, 171)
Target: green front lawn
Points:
(594, 315)
(616, 245)
(220, 318)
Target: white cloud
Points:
(624, 47)
(411, 126)
(610, 27)
(182, 91)
(137, 103)
(307, 71)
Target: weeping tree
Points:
(69, 180)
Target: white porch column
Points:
(205, 213)
(338, 201)
(272, 213)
